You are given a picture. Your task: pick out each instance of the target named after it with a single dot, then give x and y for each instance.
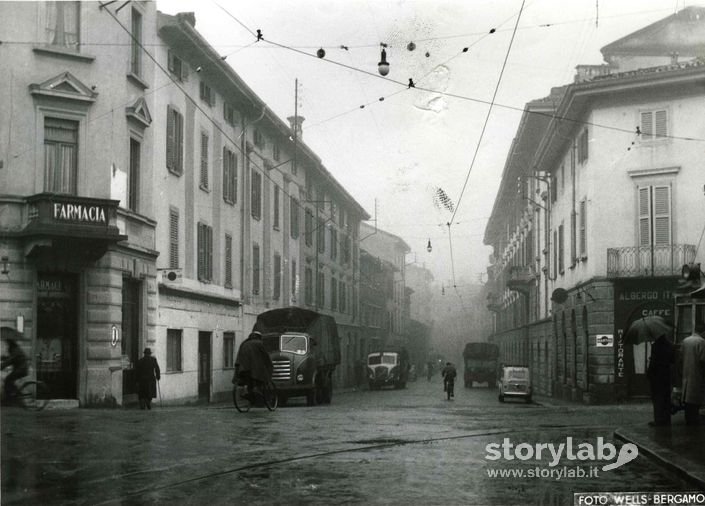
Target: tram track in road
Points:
(368, 444)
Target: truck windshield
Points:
(294, 344)
(382, 358)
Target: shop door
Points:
(204, 366)
(130, 341)
(57, 335)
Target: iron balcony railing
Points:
(647, 261)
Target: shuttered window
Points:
(255, 269)
(229, 176)
(256, 194)
(654, 125)
(321, 235)
(654, 215)
(308, 228)
(573, 238)
(275, 218)
(583, 146)
(308, 286)
(333, 294)
(205, 253)
(228, 261)
(583, 229)
(277, 289)
(174, 141)
(204, 161)
(294, 217)
(173, 239)
(561, 250)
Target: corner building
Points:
(77, 223)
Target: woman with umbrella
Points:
(656, 330)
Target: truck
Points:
(481, 363)
(388, 366)
(305, 349)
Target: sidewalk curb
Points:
(664, 457)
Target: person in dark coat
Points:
(148, 374)
(659, 375)
(18, 361)
(449, 373)
(253, 366)
(693, 349)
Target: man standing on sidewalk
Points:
(694, 374)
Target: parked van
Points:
(514, 381)
(388, 367)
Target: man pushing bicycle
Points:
(253, 366)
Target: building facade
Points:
(157, 204)
(391, 250)
(594, 217)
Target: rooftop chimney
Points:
(295, 122)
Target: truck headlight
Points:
(299, 378)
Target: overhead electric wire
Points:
(262, 170)
(484, 128)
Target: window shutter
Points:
(170, 137)
(647, 125)
(662, 215)
(200, 243)
(583, 228)
(209, 252)
(660, 124)
(228, 260)
(173, 239)
(170, 61)
(204, 160)
(645, 216)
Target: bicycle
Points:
(31, 395)
(244, 400)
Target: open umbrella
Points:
(647, 329)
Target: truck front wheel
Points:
(311, 397)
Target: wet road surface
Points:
(381, 447)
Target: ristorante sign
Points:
(82, 213)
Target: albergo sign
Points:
(82, 213)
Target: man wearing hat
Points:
(253, 366)
(148, 374)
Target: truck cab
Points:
(304, 348)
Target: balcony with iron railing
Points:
(520, 278)
(649, 261)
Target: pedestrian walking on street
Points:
(429, 370)
(659, 375)
(449, 373)
(148, 374)
(694, 374)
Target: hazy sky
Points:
(393, 155)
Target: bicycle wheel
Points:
(240, 399)
(271, 398)
(32, 395)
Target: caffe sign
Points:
(82, 213)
